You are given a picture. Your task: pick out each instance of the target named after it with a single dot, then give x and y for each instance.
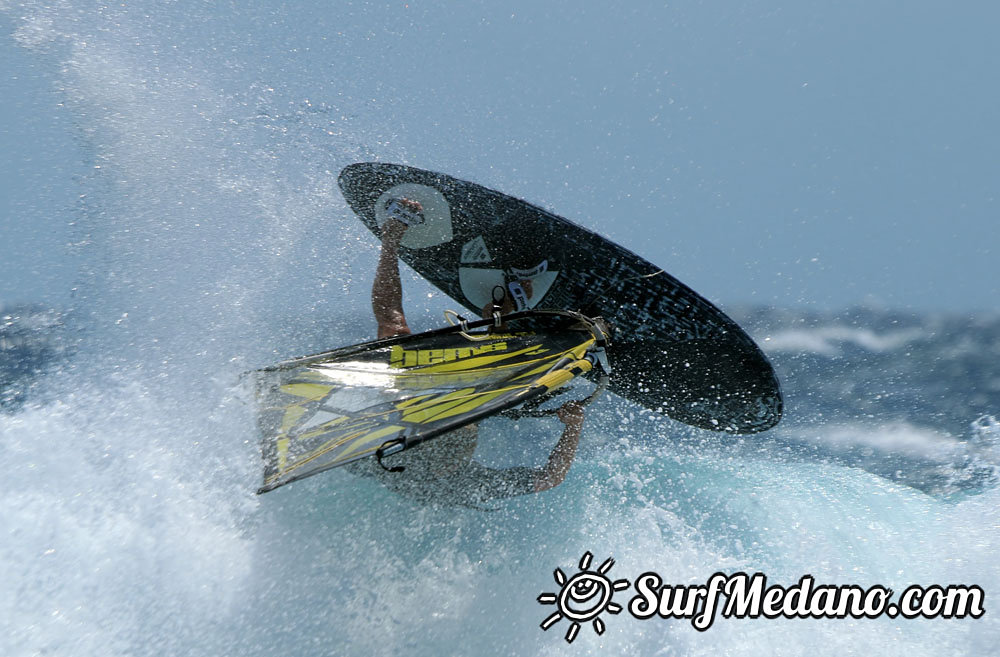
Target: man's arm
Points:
(554, 472)
(492, 483)
(387, 291)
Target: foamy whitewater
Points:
(128, 519)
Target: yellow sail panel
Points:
(370, 440)
(476, 401)
(320, 412)
(307, 390)
(292, 415)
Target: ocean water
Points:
(205, 195)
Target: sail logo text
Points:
(399, 357)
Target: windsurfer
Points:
(445, 465)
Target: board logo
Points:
(583, 597)
(475, 251)
(534, 272)
(403, 358)
(527, 287)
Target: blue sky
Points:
(787, 153)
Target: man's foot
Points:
(405, 210)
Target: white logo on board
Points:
(475, 251)
(534, 272)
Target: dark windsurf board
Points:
(673, 351)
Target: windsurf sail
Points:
(368, 400)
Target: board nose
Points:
(700, 381)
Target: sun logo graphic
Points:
(583, 597)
